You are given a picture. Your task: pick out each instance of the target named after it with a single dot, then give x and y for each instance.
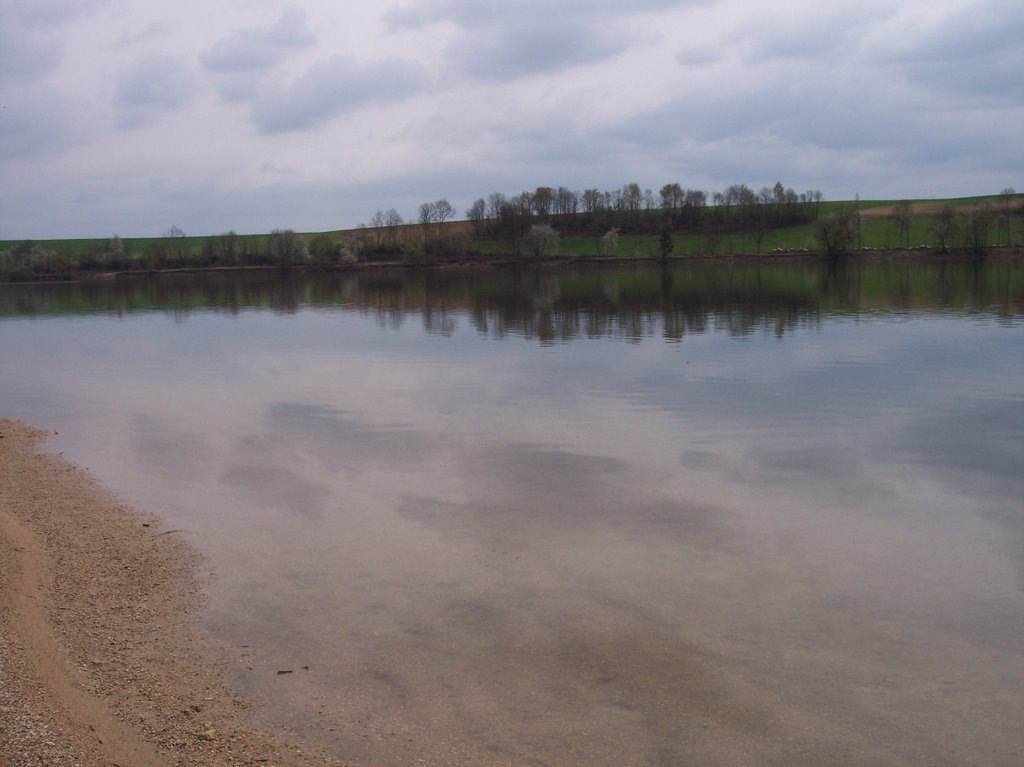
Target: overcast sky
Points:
(128, 116)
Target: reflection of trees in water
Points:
(553, 305)
(638, 303)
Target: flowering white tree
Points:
(541, 239)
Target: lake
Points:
(710, 514)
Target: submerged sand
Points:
(103, 661)
(101, 658)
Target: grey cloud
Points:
(774, 129)
(148, 34)
(838, 106)
(26, 56)
(528, 47)
(45, 13)
(30, 45)
(970, 33)
(976, 53)
(699, 55)
(155, 85)
(255, 48)
(474, 14)
(333, 87)
(829, 35)
(240, 87)
(515, 39)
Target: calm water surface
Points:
(713, 516)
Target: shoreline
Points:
(508, 261)
(102, 660)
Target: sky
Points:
(130, 117)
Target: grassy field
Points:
(877, 230)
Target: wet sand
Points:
(101, 660)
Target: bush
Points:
(286, 248)
(322, 252)
(541, 240)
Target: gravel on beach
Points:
(102, 660)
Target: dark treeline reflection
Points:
(561, 304)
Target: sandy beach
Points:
(101, 658)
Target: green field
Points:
(877, 230)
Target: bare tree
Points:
(857, 220)
(515, 217)
(287, 248)
(671, 200)
(176, 249)
(477, 214)
(495, 200)
(392, 220)
(377, 222)
(975, 228)
(1020, 214)
(1006, 203)
(592, 200)
(427, 218)
(694, 203)
(225, 249)
(758, 224)
(443, 210)
(543, 199)
(779, 194)
(566, 201)
(901, 215)
(943, 227)
(631, 198)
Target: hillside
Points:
(710, 230)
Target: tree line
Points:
(533, 222)
(633, 210)
(968, 228)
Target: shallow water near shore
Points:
(599, 516)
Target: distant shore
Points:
(506, 261)
(101, 658)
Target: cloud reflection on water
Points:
(501, 546)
